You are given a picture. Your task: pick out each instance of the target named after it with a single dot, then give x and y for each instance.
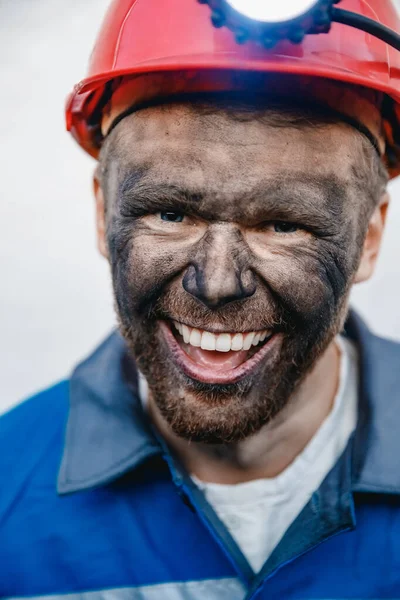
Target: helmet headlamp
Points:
(269, 21)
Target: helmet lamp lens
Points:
(272, 11)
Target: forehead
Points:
(236, 162)
(185, 141)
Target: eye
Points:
(284, 227)
(172, 217)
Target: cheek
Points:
(150, 262)
(307, 275)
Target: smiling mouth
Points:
(218, 358)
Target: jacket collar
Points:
(376, 441)
(107, 434)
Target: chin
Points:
(214, 396)
(215, 386)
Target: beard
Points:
(228, 413)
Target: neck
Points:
(267, 453)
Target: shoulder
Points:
(39, 413)
(31, 440)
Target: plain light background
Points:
(56, 302)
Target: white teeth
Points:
(223, 342)
(248, 340)
(195, 338)
(237, 342)
(208, 341)
(185, 333)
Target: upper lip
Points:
(223, 329)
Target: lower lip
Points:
(205, 375)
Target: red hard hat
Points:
(149, 37)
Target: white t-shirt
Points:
(259, 512)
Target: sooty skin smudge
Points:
(266, 231)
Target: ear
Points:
(373, 241)
(100, 215)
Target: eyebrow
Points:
(147, 197)
(320, 195)
(312, 198)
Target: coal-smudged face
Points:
(233, 244)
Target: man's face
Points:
(233, 243)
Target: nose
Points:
(220, 272)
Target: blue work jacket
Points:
(94, 507)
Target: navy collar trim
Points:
(329, 512)
(376, 441)
(107, 434)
